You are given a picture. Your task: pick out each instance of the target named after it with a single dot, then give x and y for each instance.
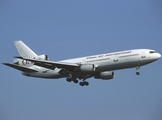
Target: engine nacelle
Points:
(86, 68)
(41, 57)
(107, 75)
(16, 61)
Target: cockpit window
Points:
(152, 52)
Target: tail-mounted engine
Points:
(25, 62)
(107, 75)
(42, 57)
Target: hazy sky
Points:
(66, 29)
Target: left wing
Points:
(21, 68)
(51, 64)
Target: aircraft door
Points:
(115, 59)
(143, 55)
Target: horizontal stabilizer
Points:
(21, 68)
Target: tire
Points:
(86, 83)
(75, 81)
(68, 79)
(137, 73)
(81, 84)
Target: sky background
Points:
(66, 29)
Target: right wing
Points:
(21, 68)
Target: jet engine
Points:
(107, 75)
(25, 62)
(86, 68)
(42, 57)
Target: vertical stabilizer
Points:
(24, 50)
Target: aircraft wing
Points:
(51, 64)
(21, 68)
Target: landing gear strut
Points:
(137, 68)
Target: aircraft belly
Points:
(127, 63)
(146, 61)
(44, 74)
(105, 66)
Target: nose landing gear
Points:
(137, 68)
(137, 73)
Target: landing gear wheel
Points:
(137, 68)
(86, 83)
(137, 73)
(75, 81)
(68, 79)
(81, 84)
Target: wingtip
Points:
(5, 63)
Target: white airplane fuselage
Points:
(97, 66)
(102, 62)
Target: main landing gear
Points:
(76, 81)
(137, 68)
(84, 83)
(72, 79)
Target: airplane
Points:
(97, 66)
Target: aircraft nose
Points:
(158, 55)
(155, 56)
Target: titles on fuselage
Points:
(110, 54)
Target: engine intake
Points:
(107, 75)
(25, 62)
(42, 57)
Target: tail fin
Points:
(24, 50)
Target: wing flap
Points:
(21, 68)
